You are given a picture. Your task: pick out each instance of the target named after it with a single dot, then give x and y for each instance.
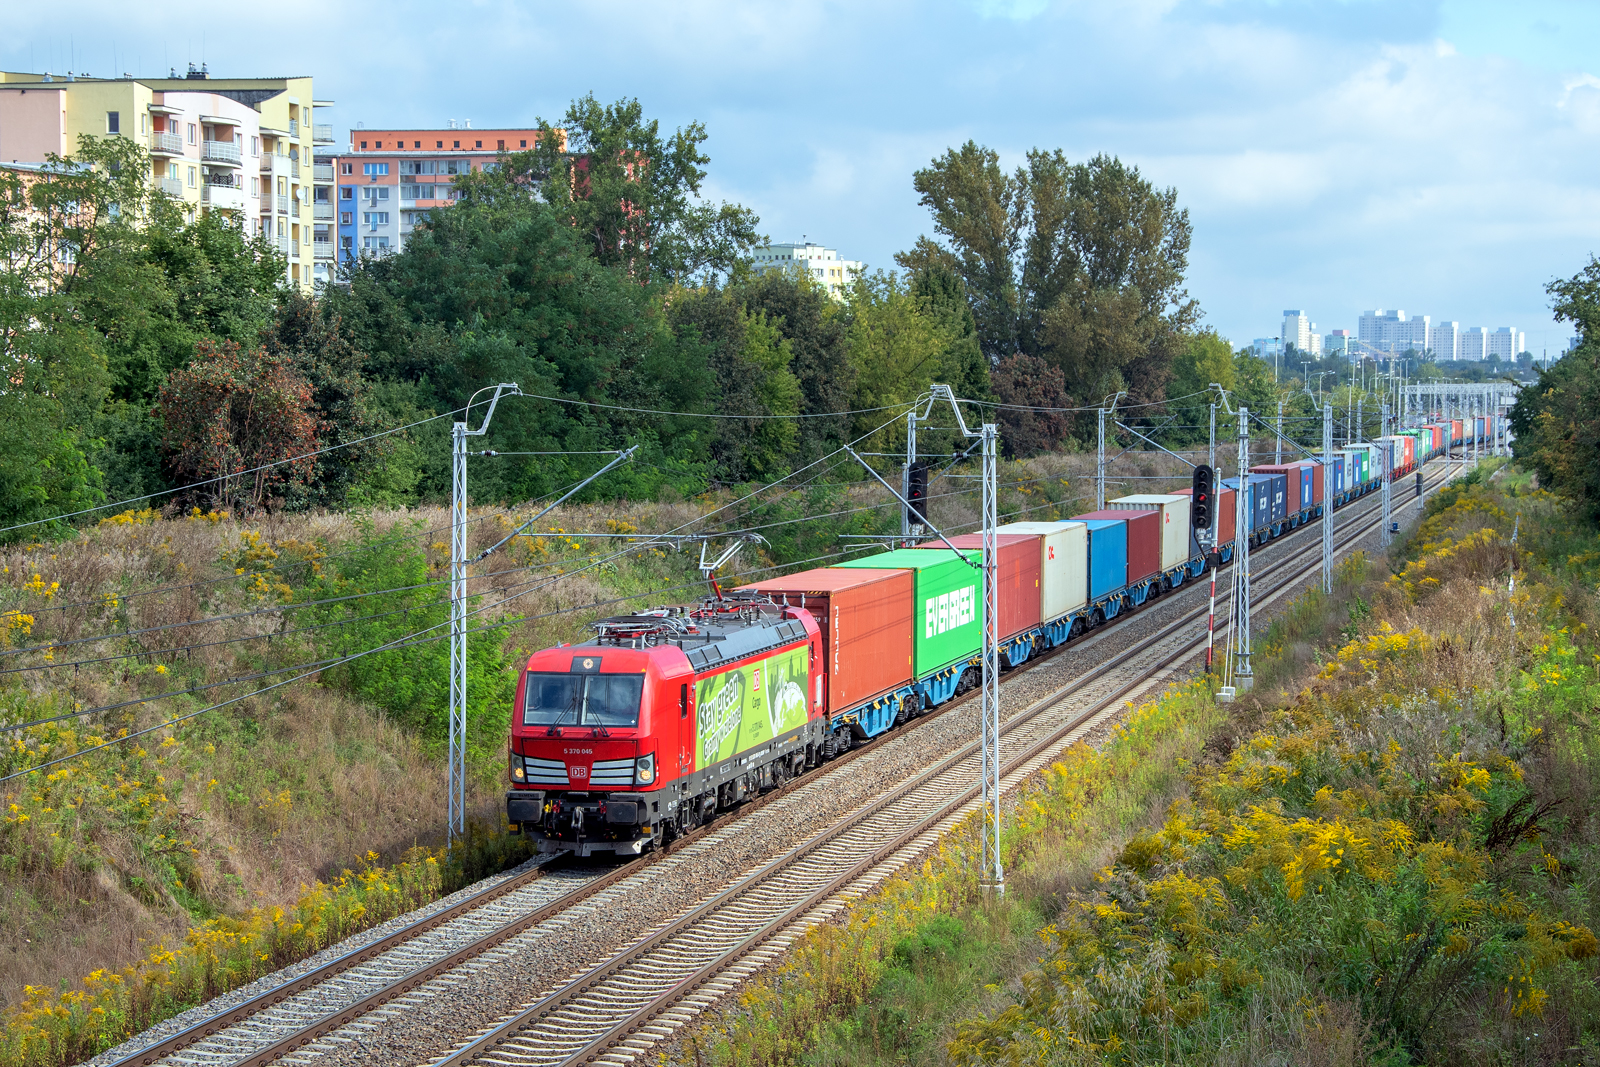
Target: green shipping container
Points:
(947, 620)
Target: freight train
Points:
(667, 717)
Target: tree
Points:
(1204, 359)
(313, 341)
(231, 412)
(750, 361)
(901, 341)
(1556, 420)
(816, 331)
(1079, 264)
(635, 194)
(501, 289)
(1023, 382)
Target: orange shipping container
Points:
(866, 618)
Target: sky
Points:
(1437, 157)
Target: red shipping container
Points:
(1017, 585)
(1144, 540)
(866, 618)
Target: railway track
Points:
(796, 886)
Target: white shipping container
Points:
(1063, 566)
(1174, 522)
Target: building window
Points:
(193, 133)
(376, 192)
(374, 218)
(374, 243)
(416, 144)
(524, 144)
(438, 144)
(502, 145)
(374, 170)
(255, 146)
(478, 143)
(113, 122)
(347, 168)
(363, 144)
(347, 193)
(458, 144)
(193, 177)
(347, 242)
(172, 171)
(255, 186)
(345, 217)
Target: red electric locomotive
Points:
(665, 717)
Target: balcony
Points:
(222, 197)
(294, 127)
(166, 144)
(322, 249)
(283, 244)
(322, 174)
(283, 204)
(173, 187)
(294, 250)
(322, 133)
(321, 209)
(294, 167)
(220, 152)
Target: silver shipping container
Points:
(1063, 564)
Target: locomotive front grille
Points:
(545, 771)
(612, 773)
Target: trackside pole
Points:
(1243, 677)
(1327, 498)
(1211, 614)
(993, 877)
(1387, 451)
(1100, 466)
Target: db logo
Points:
(578, 772)
(1051, 552)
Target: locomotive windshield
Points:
(583, 700)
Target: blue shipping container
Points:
(1257, 500)
(1108, 556)
(1276, 493)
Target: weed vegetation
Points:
(1385, 856)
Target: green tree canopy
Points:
(1556, 420)
(634, 193)
(1081, 264)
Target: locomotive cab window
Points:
(583, 700)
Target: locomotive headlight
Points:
(644, 769)
(517, 774)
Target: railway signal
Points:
(917, 493)
(1201, 487)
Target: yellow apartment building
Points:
(243, 146)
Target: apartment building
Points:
(1393, 331)
(1340, 341)
(1445, 341)
(822, 264)
(391, 179)
(1301, 332)
(1507, 342)
(233, 145)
